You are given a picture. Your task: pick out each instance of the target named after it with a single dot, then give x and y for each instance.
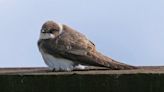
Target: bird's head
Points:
(50, 30)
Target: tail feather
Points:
(110, 63)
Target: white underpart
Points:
(60, 64)
(46, 36)
(80, 67)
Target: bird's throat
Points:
(46, 36)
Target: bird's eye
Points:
(52, 30)
(43, 31)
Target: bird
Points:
(65, 49)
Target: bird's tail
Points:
(110, 63)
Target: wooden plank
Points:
(40, 79)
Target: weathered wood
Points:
(146, 79)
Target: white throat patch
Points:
(46, 36)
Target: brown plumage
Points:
(74, 46)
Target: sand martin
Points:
(65, 49)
